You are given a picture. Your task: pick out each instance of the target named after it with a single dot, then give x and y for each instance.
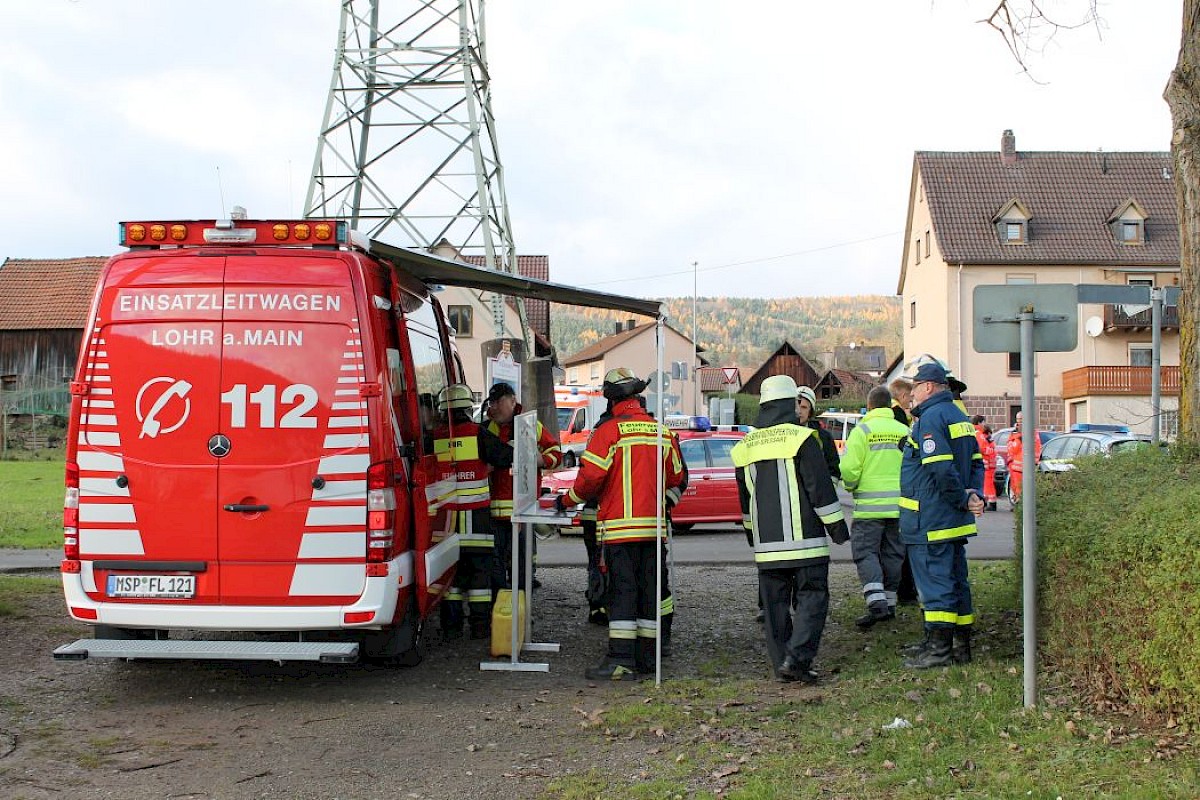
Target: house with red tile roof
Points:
(44, 304)
(1030, 217)
(634, 346)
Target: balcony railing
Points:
(1085, 381)
(1116, 319)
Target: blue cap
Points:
(931, 373)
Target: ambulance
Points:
(578, 409)
(250, 467)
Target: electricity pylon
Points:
(408, 146)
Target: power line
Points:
(744, 263)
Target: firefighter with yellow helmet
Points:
(466, 454)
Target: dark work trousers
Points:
(906, 592)
(878, 555)
(796, 634)
(632, 604)
(940, 569)
(504, 535)
(592, 546)
(473, 580)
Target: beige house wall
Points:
(925, 295)
(988, 374)
(470, 347)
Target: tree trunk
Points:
(1183, 96)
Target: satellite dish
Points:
(1093, 327)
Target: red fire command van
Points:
(250, 467)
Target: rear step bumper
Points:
(324, 652)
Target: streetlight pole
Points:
(695, 344)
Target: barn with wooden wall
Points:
(44, 306)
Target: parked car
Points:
(1000, 438)
(711, 495)
(1060, 454)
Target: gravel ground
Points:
(442, 729)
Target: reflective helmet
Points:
(621, 382)
(456, 395)
(777, 387)
(809, 395)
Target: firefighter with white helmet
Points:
(790, 510)
(466, 454)
(620, 469)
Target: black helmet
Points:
(621, 383)
(499, 390)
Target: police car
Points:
(711, 495)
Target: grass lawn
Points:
(31, 496)
(877, 730)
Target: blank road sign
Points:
(995, 317)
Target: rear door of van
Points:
(237, 423)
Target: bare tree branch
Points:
(1027, 29)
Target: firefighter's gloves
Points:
(561, 504)
(838, 532)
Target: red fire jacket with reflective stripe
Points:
(460, 458)
(502, 483)
(619, 469)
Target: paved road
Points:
(704, 544)
(719, 544)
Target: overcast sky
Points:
(771, 143)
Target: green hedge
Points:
(1119, 566)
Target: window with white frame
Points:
(1141, 354)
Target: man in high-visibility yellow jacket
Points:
(871, 472)
(790, 511)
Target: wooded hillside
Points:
(744, 331)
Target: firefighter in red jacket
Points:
(502, 409)
(620, 469)
(466, 453)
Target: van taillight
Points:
(71, 513)
(381, 511)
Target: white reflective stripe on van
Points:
(100, 438)
(345, 490)
(341, 465)
(101, 487)
(315, 579)
(346, 441)
(98, 419)
(101, 391)
(89, 403)
(336, 515)
(111, 542)
(92, 461)
(441, 557)
(345, 544)
(347, 422)
(106, 512)
(347, 380)
(359, 406)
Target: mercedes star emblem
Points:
(219, 445)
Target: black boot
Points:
(938, 651)
(916, 648)
(876, 612)
(962, 644)
(667, 620)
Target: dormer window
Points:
(1128, 223)
(1012, 223)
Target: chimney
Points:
(630, 324)
(1008, 148)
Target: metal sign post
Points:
(1046, 318)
